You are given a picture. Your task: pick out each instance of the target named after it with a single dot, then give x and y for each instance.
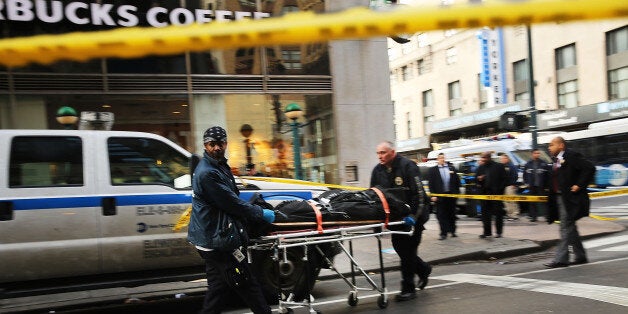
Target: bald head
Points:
(556, 146)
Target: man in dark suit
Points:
(491, 178)
(571, 174)
(444, 180)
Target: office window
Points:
(406, 74)
(455, 101)
(453, 90)
(428, 118)
(520, 69)
(618, 83)
(291, 59)
(566, 56)
(617, 41)
(428, 98)
(451, 55)
(482, 94)
(568, 94)
(520, 77)
(420, 64)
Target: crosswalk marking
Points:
(620, 248)
(604, 241)
(609, 294)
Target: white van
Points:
(76, 203)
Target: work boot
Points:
(405, 296)
(424, 278)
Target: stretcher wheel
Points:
(353, 298)
(382, 302)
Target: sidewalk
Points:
(520, 237)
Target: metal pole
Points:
(296, 147)
(533, 112)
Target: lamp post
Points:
(294, 112)
(246, 130)
(67, 116)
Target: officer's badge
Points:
(398, 181)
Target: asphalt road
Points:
(515, 285)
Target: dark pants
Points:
(226, 276)
(407, 248)
(490, 209)
(446, 215)
(535, 208)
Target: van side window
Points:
(39, 161)
(134, 160)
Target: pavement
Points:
(520, 237)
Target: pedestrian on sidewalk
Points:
(491, 177)
(536, 176)
(571, 174)
(444, 180)
(401, 177)
(512, 175)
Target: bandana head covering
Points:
(215, 134)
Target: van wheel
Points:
(295, 275)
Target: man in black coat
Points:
(400, 176)
(571, 174)
(491, 177)
(444, 180)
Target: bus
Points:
(606, 145)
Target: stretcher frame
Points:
(279, 243)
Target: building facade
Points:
(245, 90)
(453, 84)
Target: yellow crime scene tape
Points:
(184, 219)
(298, 28)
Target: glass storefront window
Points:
(270, 144)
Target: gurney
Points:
(318, 226)
(310, 243)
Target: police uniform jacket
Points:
(403, 181)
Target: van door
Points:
(143, 205)
(51, 225)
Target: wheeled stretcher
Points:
(310, 242)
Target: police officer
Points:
(400, 176)
(218, 228)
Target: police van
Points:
(77, 202)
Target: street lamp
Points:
(246, 130)
(67, 116)
(294, 112)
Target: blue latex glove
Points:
(269, 215)
(409, 221)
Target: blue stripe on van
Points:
(147, 199)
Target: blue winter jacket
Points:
(215, 190)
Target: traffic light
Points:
(511, 121)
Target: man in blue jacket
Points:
(218, 228)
